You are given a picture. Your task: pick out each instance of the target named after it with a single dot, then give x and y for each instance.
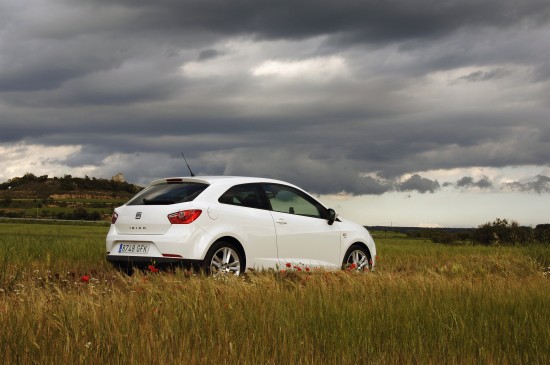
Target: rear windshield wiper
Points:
(158, 202)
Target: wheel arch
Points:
(361, 244)
(234, 241)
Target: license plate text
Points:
(134, 248)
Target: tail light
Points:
(184, 216)
(114, 217)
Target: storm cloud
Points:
(540, 184)
(468, 181)
(362, 97)
(420, 184)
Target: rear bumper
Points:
(176, 244)
(144, 262)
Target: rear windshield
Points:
(169, 193)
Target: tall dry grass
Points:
(425, 304)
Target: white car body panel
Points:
(307, 241)
(253, 228)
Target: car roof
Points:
(211, 180)
(218, 184)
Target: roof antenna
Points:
(192, 174)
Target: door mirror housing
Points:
(331, 216)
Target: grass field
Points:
(425, 304)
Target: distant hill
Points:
(30, 186)
(65, 198)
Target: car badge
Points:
(138, 215)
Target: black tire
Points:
(224, 258)
(356, 258)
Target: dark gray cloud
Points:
(420, 184)
(65, 40)
(540, 184)
(376, 88)
(364, 20)
(208, 54)
(468, 182)
(478, 76)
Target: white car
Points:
(232, 224)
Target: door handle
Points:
(281, 221)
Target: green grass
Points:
(426, 303)
(53, 246)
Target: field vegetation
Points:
(426, 303)
(500, 232)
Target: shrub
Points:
(503, 232)
(542, 233)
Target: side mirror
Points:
(331, 216)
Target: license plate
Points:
(134, 248)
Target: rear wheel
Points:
(224, 258)
(356, 258)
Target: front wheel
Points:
(356, 259)
(224, 258)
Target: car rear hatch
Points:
(147, 213)
(142, 220)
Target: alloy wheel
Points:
(225, 261)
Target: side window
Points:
(286, 199)
(246, 195)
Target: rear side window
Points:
(245, 195)
(169, 193)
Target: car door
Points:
(246, 213)
(304, 237)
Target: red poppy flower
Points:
(288, 264)
(85, 278)
(307, 269)
(152, 268)
(352, 266)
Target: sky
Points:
(396, 112)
